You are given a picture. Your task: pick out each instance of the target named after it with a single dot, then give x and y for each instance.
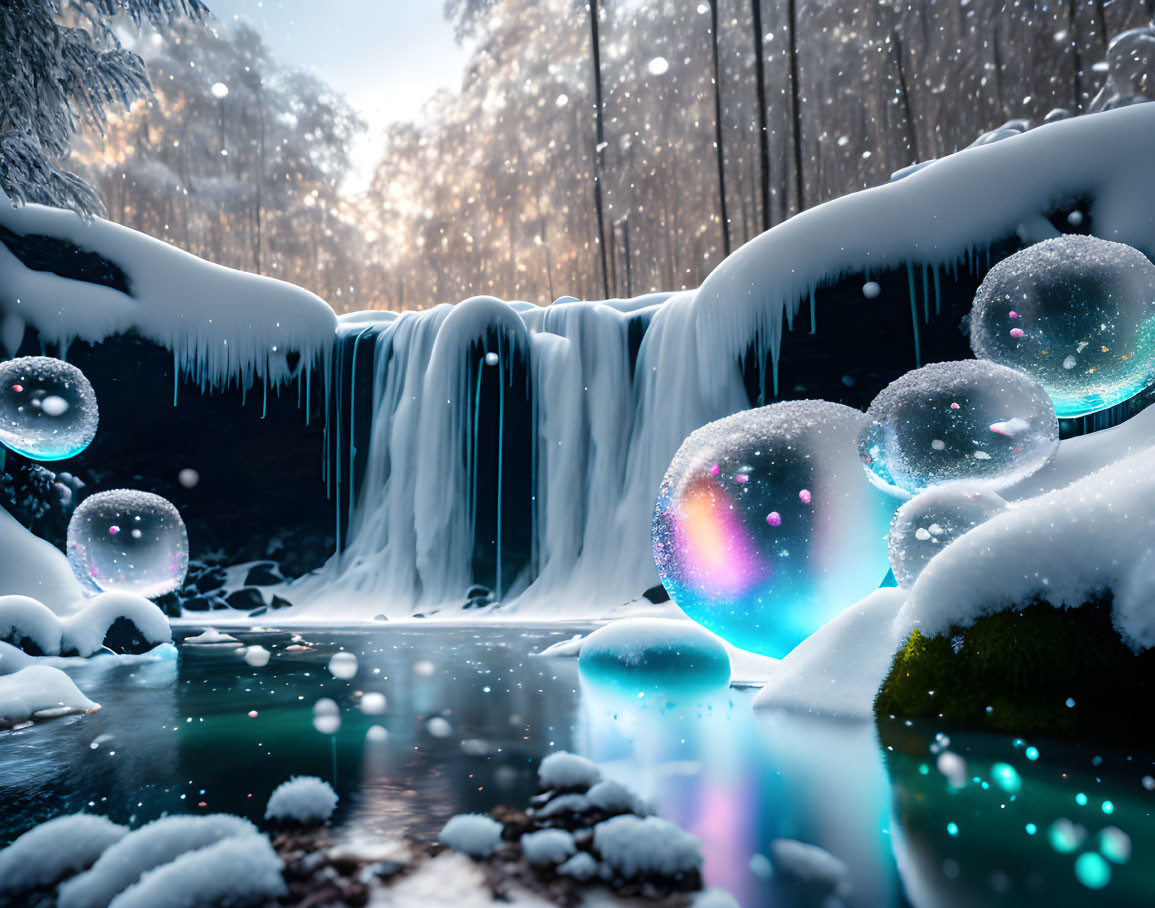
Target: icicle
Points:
(913, 314)
(500, 453)
(476, 414)
(813, 322)
(937, 293)
(175, 377)
(925, 297)
(353, 418)
(264, 394)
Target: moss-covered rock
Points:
(1018, 670)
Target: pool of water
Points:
(1000, 821)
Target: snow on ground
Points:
(32, 567)
(54, 850)
(633, 847)
(240, 870)
(23, 618)
(142, 850)
(837, 670)
(221, 325)
(84, 632)
(474, 834)
(40, 692)
(450, 879)
(303, 799)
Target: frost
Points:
(565, 770)
(472, 833)
(54, 850)
(634, 847)
(303, 799)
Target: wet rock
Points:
(210, 579)
(264, 574)
(280, 602)
(656, 594)
(245, 599)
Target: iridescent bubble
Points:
(972, 421)
(931, 521)
(151, 560)
(765, 527)
(47, 408)
(326, 716)
(1075, 312)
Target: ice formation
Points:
(474, 834)
(655, 653)
(1075, 312)
(152, 845)
(931, 521)
(548, 846)
(303, 799)
(40, 692)
(765, 525)
(85, 631)
(634, 847)
(29, 624)
(971, 421)
(47, 408)
(129, 541)
(565, 770)
(54, 850)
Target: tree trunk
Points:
(763, 131)
(718, 130)
(599, 143)
(796, 106)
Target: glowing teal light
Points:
(923, 770)
(1108, 807)
(1115, 845)
(1092, 871)
(1006, 777)
(1081, 799)
(952, 828)
(1070, 702)
(1066, 836)
(1032, 753)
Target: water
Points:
(178, 737)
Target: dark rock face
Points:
(266, 574)
(246, 598)
(124, 636)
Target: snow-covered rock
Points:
(303, 799)
(548, 846)
(210, 636)
(838, 669)
(581, 867)
(29, 624)
(612, 797)
(241, 870)
(154, 844)
(565, 770)
(85, 631)
(474, 834)
(53, 851)
(664, 651)
(29, 566)
(634, 847)
(40, 692)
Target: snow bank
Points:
(303, 799)
(1063, 547)
(472, 833)
(635, 847)
(565, 770)
(24, 620)
(13, 659)
(29, 566)
(222, 326)
(548, 846)
(241, 870)
(838, 669)
(54, 850)
(40, 692)
(154, 844)
(663, 649)
(84, 632)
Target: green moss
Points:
(1014, 672)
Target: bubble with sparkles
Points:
(1083, 320)
(931, 521)
(971, 421)
(47, 408)
(765, 527)
(149, 560)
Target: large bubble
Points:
(47, 408)
(971, 421)
(128, 540)
(1077, 313)
(929, 522)
(765, 526)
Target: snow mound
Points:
(1063, 547)
(29, 566)
(24, 621)
(303, 799)
(548, 846)
(665, 650)
(154, 844)
(241, 870)
(565, 770)
(472, 833)
(55, 850)
(85, 632)
(13, 659)
(581, 867)
(810, 865)
(40, 692)
(612, 796)
(635, 847)
(221, 325)
(838, 669)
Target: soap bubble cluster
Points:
(971, 421)
(1075, 312)
(47, 408)
(931, 521)
(765, 526)
(130, 541)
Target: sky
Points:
(386, 56)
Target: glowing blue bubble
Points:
(1115, 845)
(1075, 312)
(952, 828)
(1006, 777)
(130, 541)
(1066, 836)
(1092, 871)
(1081, 799)
(1032, 753)
(47, 408)
(765, 527)
(1032, 829)
(970, 422)
(931, 521)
